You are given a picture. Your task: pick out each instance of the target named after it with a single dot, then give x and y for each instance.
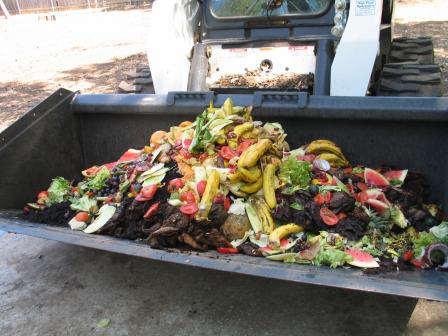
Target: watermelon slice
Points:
(375, 194)
(130, 154)
(375, 179)
(378, 206)
(361, 259)
(396, 175)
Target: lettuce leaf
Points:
(85, 203)
(297, 173)
(97, 182)
(58, 190)
(332, 258)
(423, 240)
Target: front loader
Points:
(337, 62)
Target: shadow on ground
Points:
(17, 98)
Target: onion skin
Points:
(321, 164)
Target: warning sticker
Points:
(365, 7)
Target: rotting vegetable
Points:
(232, 184)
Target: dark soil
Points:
(58, 214)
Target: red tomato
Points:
(82, 216)
(227, 250)
(203, 157)
(321, 199)
(188, 197)
(148, 192)
(308, 158)
(348, 170)
(219, 199)
(175, 184)
(417, 263)
(244, 145)
(189, 209)
(201, 187)
(42, 194)
(227, 203)
(75, 189)
(407, 256)
(361, 186)
(185, 153)
(152, 210)
(328, 216)
(228, 153)
(186, 143)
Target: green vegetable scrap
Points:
(332, 258)
(202, 136)
(104, 323)
(97, 182)
(85, 203)
(58, 190)
(296, 173)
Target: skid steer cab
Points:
(322, 47)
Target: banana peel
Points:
(283, 231)
(334, 160)
(249, 158)
(252, 187)
(209, 193)
(264, 213)
(269, 185)
(249, 174)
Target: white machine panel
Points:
(357, 49)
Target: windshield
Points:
(256, 8)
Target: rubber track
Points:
(410, 79)
(412, 49)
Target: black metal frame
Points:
(68, 132)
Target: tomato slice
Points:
(228, 153)
(149, 191)
(322, 199)
(189, 209)
(408, 255)
(42, 194)
(308, 158)
(227, 203)
(175, 184)
(186, 143)
(82, 216)
(187, 196)
(200, 186)
(227, 250)
(219, 199)
(244, 145)
(152, 210)
(328, 216)
(362, 186)
(185, 153)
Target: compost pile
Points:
(230, 183)
(261, 80)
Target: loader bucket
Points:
(69, 132)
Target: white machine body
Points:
(357, 49)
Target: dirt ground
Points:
(90, 50)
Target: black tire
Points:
(137, 81)
(410, 80)
(412, 49)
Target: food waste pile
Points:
(228, 183)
